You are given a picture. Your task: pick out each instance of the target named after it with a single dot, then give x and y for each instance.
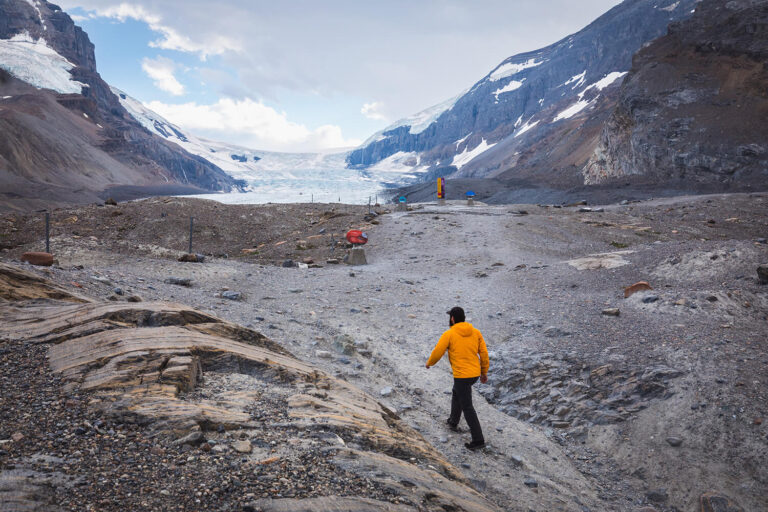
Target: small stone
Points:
(134, 298)
(17, 437)
(242, 446)
(230, 295)
(715, 502)
(762, 241)
(192, 258)
(323, 354)
(649, 299)
(386, 391)
(674, 441)
(530, 482)
(657, 495)
(118, 291)
(179, 281)
(757, 421)
(332, 261)
(193, 438)
(555, 332)
(40, 259)
(611, 312)
(288, 263)
(110, 202)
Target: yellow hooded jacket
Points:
(464, 344)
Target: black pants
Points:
(461, 401)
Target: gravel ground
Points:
(522, 278)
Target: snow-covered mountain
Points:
(276, 176)
(64, 137)
(527, 115)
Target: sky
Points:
(310, 75)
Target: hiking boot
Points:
(475, 445)
(452, 426)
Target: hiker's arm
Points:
(484, 362)
(439, 350)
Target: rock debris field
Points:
(271, 376)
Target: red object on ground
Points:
(357, 237)
(42, 259)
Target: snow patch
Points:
(36, 63)
(579, 79)
(458, 142)
(519, 121)
(605, 81)
(527, 126)
(511, 86)
(466, 156)
(572, 110)
(671, 8)
(36, 6)
(512, 68)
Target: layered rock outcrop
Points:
(693, 107)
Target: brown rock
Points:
(242, 446)
(18, 436)
(637, 287)
(42, 259)
(611, 312)
(758, 421)
(111, 202)
(190, 258)
(715, 502)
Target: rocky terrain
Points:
(693, 106)
(62, 147)
(596, 401)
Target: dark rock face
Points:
(693, 107)
(49, 152)
(534, 88)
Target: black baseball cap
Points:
(457, 313)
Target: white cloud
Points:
(171, 39)
(372, 111)
(161, 70)
(252, 124)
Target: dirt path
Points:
(540, 312)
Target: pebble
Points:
(531, 482)
(674, 441)
(650, 299)
(118, 291)
(386, 391)
(611, 312)
(231, 295)
(323, 354)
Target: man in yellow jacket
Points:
(469, 359)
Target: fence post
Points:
(48, 232)
(191, 226)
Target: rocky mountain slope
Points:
(530, 102)
(694, 106)
(64, 136)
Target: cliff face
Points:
(694, 105)
(59, 146)
(531, 98)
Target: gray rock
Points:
(323, 354)
(288, 264)
(531, 482)
(344, 344)
(102, 280)
(657, 495)
(242, 446)
(179, 281)
(674, 441)
(386, 391)
(762, 274)
(118, 291)
(231, 295)
(611, 312)
(648, 299)
(193, 438)
(555, 332)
